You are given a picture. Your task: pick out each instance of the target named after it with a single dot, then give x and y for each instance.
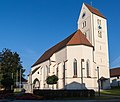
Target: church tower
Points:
(94, 26)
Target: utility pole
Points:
(17, 78)
(13, 84)
(98, 81)
(20, 78)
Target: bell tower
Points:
(94, 26)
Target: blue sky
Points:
(30, 27)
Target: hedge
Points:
(50, 94)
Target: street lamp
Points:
(31, 81)
(20, 79)
(98, 81)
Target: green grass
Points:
(112, 91)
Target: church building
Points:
(80, 59)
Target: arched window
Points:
(36, 84)
(88, 68)
(75, 67)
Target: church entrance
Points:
(36, 84)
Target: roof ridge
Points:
(91, 6)
(94, 10)
(76, 38)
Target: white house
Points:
(77, 58)
(115, 77)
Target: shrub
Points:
(52, 79)
(51, 94)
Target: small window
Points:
(99, 34)
(88, 68)
(99, 21)
(117, 77)
(84, 24)
(75, 68)
(83, 15)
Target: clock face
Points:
(99, 27)
(83, 15)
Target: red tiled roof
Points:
(94, 10)
(114, 72)
(77, 38)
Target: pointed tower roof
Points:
(94, 10)
(77, 38)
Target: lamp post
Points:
(98, 81)
(31, 86)
(20, 79)
(82, 60)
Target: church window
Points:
(75, 67)
(83, 15)
(88, 68)
(99, 34)
(84, 24)
(99, 21)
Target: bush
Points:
(52, 79)
(51, 94)
(6, 95)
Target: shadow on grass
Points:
(112, 91)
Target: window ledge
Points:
(75, 76)
(88, 77)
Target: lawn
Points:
(112, 91)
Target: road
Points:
(112, 100)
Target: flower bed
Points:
(28, 96)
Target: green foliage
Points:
(7, 82)
(10, 66)
(52, 79)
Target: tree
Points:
(10, 64)
(52, 79)
(7, 82)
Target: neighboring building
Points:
(75, 59)
(115, 77)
